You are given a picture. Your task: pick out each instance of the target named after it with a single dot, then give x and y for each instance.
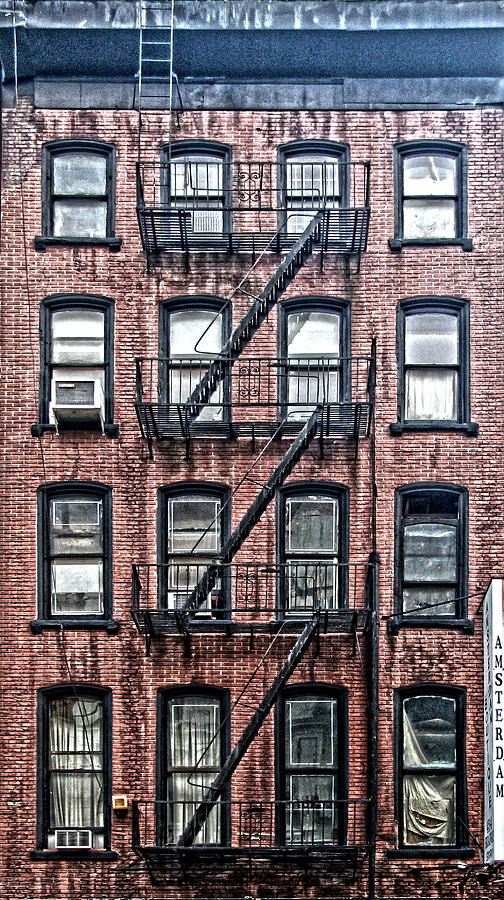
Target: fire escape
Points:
(243, 597)
(259, 208)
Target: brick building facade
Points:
(147, 612)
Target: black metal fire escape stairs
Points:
(208, 581)
(223, 778)
(263, 304)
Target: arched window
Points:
(314, 345)
(312, 767)
(431, 542)
(194, 742)
(74, 768)
(197, 176)
(312, 543)
(78, 194)
(312, 175)
(433, 365)
(77, 363)
(193, 526)
(431, 194)
(193, 331)
(432, 807)
(74, 554)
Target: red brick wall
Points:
(31, 662)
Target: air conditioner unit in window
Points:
(78, 401)
(73, 839)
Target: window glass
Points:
(76, 770)
(312, 523)
(80, 218)
(194, 540)
(429, 744)
(79, 173)
(430, 175)
(429, 219)
(430, 552)
(312, 181)
(311, 743)
(76, 550)
(431, 338)
(197, 184)
(431, 360)
(78, 337)
(187, 328)
(313, 348)
(193, 739)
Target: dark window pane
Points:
(76, 526)
(311, 738)
(194, 524)
(430, 552)
(79, 173)
(310, 586)
(432, 502)
(312, 524)
(429, 601)
(429, 724)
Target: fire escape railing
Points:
(252, 594)
(186, 205)
(253, 395)
(254, 825)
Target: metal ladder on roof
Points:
(155, 56)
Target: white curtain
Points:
(431, 395)
(428, 800)
(76, 763)
(194, 725)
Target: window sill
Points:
(398, 243)
(398, 622)
(91, 855)
(44, 241)
(470, 428)
(111, 430)
(37, 626)
(432, 853)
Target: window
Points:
(313, 339)
(432, 803)
(78, 194)
(194, 527)
(193, 332)
(74, 769)
(197, 179)
(77, 364)
(433, 360)
(431, 194)
(431, 542)
(313, 175)
(312, 545)
(312, 725)
(74, 534)
(194, 728)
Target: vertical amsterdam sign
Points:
(493, 637)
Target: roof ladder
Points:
(155, 56)
(251, 517)
(218, 785)
(218, 368)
